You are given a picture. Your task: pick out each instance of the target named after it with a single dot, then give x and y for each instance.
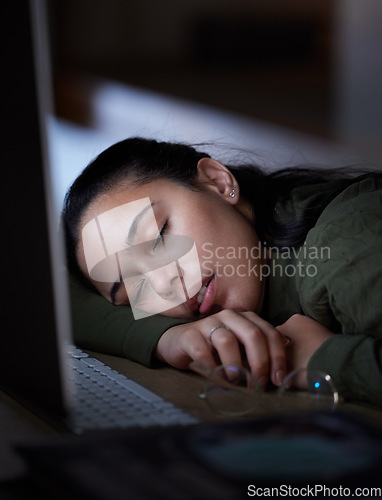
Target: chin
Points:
(242, 306)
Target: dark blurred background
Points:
(314, 66)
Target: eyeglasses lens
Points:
(231, 390)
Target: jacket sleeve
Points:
(100, 326)
(355, 365)
(346, 292)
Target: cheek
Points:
(227, 239)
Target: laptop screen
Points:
(34, 310)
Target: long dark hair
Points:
(143, 160)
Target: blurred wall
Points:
(111, 34)
(267, 59)
(358, 75)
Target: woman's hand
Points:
(245, 338)
(307, 335)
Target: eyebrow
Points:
(134, 225)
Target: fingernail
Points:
(279, 377)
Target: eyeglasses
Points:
(233, 391)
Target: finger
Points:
(276, 344)
(227, 346)
(255, 344)
(200, 368)
(200, 352)
(277, 357)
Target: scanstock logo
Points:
(125, 246)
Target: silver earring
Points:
(232, 193)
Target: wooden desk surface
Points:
(18, 425)
(183, 388)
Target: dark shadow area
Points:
(267, 60)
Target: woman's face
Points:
(165, 248)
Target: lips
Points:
(203, 301)
(202, 292)
(206, 297)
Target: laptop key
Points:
(107, 399)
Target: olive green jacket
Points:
(335, 278)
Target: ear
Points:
(215, 176)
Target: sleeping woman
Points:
(220, 264)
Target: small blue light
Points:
(317, 385)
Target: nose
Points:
(165, 281)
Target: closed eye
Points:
(158, 240)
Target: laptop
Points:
(38, 364)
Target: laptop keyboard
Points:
(106, 399)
